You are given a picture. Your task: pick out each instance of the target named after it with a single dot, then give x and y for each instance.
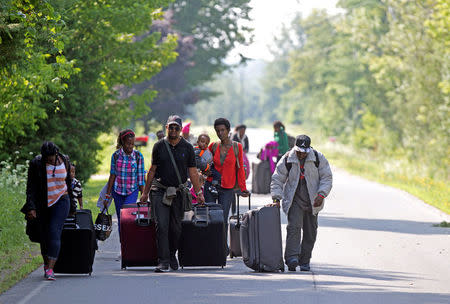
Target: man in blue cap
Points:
(301, 181)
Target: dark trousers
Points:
(58, 213)
(168, 224)
(225, 198)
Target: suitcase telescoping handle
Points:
(249, 207)
(197, 220)
(144, 221)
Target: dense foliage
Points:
(63, 64)
(208, 31)
(376, 77)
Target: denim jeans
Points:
(57, 215)
(120, 200)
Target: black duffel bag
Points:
(103, 225)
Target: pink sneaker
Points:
(50, 275)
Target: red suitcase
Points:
(138, 236)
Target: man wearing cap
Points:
(167, 192)
(301, 181)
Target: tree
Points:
(207, 31)
(111, 50)
(33, 68)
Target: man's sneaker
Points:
(173, 263)
(292, 264)
(50, 275)
(162, 268)
(305, 267)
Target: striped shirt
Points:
(129, 171)
(56, 185)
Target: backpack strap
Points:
(289, 165)
(317, 162)
(236, 152)
(214, 147)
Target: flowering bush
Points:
(13, 176)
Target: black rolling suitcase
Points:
(235, 225)
(78, 244)
(261, 177)
(202, 241)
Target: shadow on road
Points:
(388, 225)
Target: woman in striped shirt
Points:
(49, 200)
(127, 176)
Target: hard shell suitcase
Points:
(261, 241)
(78, 244)
(138, 236)
(202, 241)
(235, 224)
(261, 177)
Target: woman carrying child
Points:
(127, 176)
(225, 163)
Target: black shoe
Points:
(292, 264)
(213, 191)
(173, 263)
(162, 268)
(305, 267)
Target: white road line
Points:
(33, 292)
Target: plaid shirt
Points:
(129, 171)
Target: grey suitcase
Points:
(261, 241)
(261, 177)
(235, 225)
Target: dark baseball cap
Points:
(174, 119)
(302, 143)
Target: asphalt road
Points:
(375, 244)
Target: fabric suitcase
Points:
(202, 241)
(78, 244)
(261, 177)
(235, 224)
(138, 236)
(261, 241)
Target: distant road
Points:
(376, 244)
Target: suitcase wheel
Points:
(231, 255)
(90, 273)
(222, 266)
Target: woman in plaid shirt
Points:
(127, 176)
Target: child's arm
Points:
(80, 202)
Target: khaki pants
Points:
(301, 234)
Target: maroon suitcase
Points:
(138, 236)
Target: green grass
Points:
(91, 191)
(18, 256)
(385, 170)
(396, 174)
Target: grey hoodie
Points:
(318, 180)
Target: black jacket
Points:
(37, 187)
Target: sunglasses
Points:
(176, 128)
